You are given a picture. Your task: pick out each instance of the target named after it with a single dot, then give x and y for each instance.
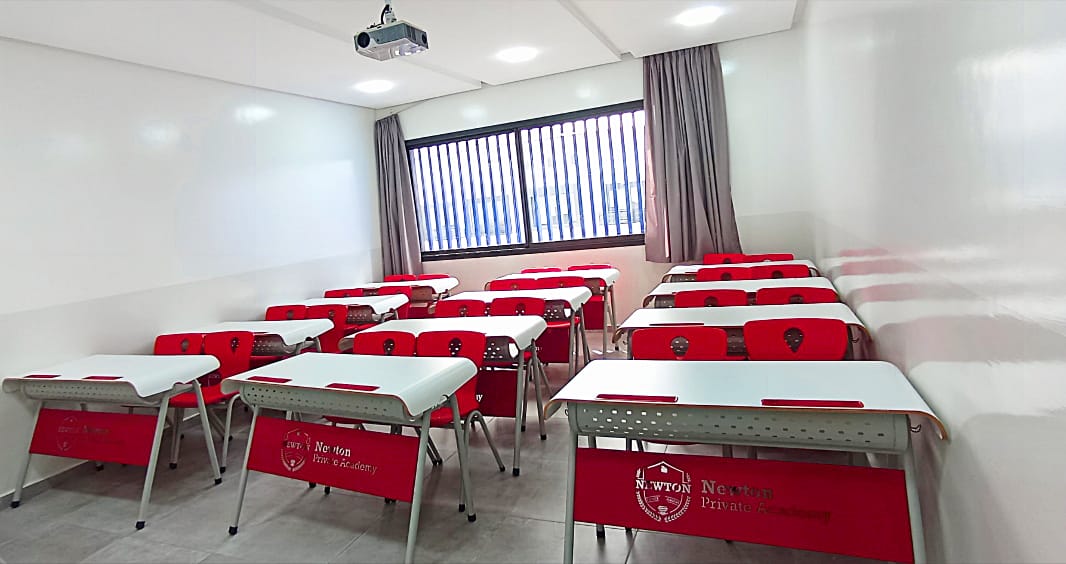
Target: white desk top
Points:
(380, 304)
(439, 285)
(737, 316)
(292, 332)
(670, 288)
(608, 275)
(576, 296)
(420, 383)
(521, 329)
(148, 375)
(692, 268)
(880, 386)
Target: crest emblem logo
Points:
(67, 431)
(295, 449)
(663, 491)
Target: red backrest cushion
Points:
(590, 267)
(517, 306)
(770, 257)
(233, 349)
(466, 344)
(679, 343)
(561, 282)
(433, 276)
(400, 278)
(541, 269)
(723, 258)
(286, 312)
(710, 298)
(384, 343)
(344, 293)
(762, 272)
(780, 296)
(179, 343)
(723, 273)
(513, 284)
(460, 308)
(796, 339)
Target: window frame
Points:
(528, 247)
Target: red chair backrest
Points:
(780, 271)
(796, 339)
(466, 344)
(517, 306)
(400, 278)
(780, 296)
(401, 312)
(541, 269)
(723, 273)
(710, 298)
(344, 293)
(179, 343)
(513, 284)
(561, 282)
(286, 312)
(590, 267)
(770, 256)
(384, 343)
(723, 258)
(233, 349)
(330, 340)
(432, 276)
(461, 308)
(685, 342)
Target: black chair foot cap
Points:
(15, 504)
(438, 462)
(514, 471)
(100, 467)
(182, 436)
(173, 465)
(311, 485)
(728, 541)
(387, 500)
(222, 469)
(139, 525)
(218, 481)
(471, 518)
(502, 468)
(462, 507)
(523, 428)
(326, 490)
(233, 530)
(601, 534)
(544, 437)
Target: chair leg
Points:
(525, 390)
(226, 432)
(179, 416)
(540, 408)
(488, 437)
(434, 453)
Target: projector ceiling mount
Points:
(390, 38)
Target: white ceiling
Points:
(305, 46)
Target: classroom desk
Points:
(560, 304)
(423, 290)
(508, 338)
(663, 294)
(687, 272)
(381, 389)
(275, 338)
(600, 281)
(123, 438)
(364, 309)
(865, 407)
(732, 319)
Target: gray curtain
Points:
(689, 207)
(399, 225)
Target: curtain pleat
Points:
(400, 252)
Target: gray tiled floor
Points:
(89, 516)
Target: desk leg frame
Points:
(153, 458)
(16, 498)
(571, 476)
(420, 471)
(243, 482)
(519, 411)
(205, 423)
(913, 506)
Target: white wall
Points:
(138, 201)
(934, 132)
(768, 221)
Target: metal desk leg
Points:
(243, 482)
(16, 498)
(913, 507)
(96, 463)
(600, 531)
(586, 354)
(519, 407)
(464, 458)
(571, 475)
(540, 399)
(208, 437)
(614, 322)
(416, 498)
(572, 348)
(153, 458)
(603, 351)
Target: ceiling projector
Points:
(390, 38)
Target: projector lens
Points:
(363, 40)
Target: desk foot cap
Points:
(471, 518)
(514, 471)
(462, 507)
(233, 530)
(523, 428)
(173, 465)
(326, 490)
(99, 467)
(218, 481)
(601, 534)
(139, 525)
(389, 501)
(544, 437)
(221, 469)
(15, 504)
(311, 485)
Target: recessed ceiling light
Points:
(374, 86)
(699, 16)
(517, 54)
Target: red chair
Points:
(684, 342)
(541, 269)
(432, 276)
(512, 284)
(402, 311)
(723, 273)
(233, 349)
(710, 298)
(780, 271)
(384, 343)
(179, 343)
(594, 307)
(723, 258)
(589, 267)
(467, 344)
(286, 312)
(517, 306)
(780, 296)
(330, 340)
(344, 293)
(461, 308)
(561, 282)
(770, 257)
(400, 278)
(796, 339)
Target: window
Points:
(564, 182)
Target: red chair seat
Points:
(212, 395)
(442, 416)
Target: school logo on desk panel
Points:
(664, 492)
(295, 450)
